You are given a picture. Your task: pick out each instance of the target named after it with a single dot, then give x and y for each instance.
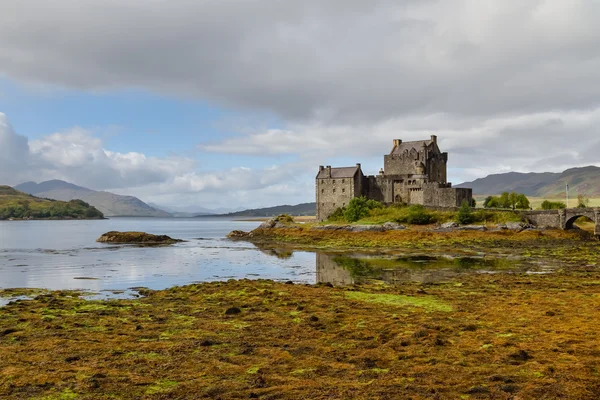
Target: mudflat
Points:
(477, 336)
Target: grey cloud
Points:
(332, 61)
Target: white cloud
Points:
(545, 141)
(79, 157)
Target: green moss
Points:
(161, 386)
(66, 394)
(428, 303)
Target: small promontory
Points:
(142, 238)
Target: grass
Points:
(478, 336)
(425, 302)
(404, 214)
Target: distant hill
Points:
(110, 204)
(19, 205)
(186, 213)
(297, 210)
(547, 184)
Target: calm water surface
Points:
(65, 255)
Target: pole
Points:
(567, 190)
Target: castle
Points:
(412, 173)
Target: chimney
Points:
(358, 165)
(397, 142)
(321, 168)
(434, 139)
(328, 175)
(381, 171)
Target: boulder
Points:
(237, 234)
(331, 228)
(393, 226)
(267, 224)
(136, 238)
(366, 228)
(480, 228)
(449, 225)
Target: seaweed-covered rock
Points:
(280, 221)
(237, 234)
(136, 238)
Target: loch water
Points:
(65, 255)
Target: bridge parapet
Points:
(563, 218)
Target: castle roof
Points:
(416, 144)
(340, 172)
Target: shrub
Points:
(507, 200)
(582, 201)
(553, 205)
(338, 214)
(359, 208)
(464, 215)
(418, 215)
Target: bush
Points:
(553, 205)
(582, 201)
(507, 200)
(359, 208)
(464, 215)
(417, 215)
(338, 214)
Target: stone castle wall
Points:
(334, 193)
(411, 175)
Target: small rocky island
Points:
(142, 238)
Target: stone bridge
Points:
(563, 218)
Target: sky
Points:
(236, 103)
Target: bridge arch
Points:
(570, 223)
(572, 214)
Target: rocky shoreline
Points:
(276, 223)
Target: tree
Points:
(473, 203)
(359, 207)
(512, 200)
(487, 201)
(464, 216)
(552, 205)
(583, 201)
(522, 202)
(504, 200)
(492, 202)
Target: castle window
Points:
(343, 181)
(343, 190)
(334, 181)
(322, 191)
(333, 190)
(343, 204)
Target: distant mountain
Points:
(547, 184)
(180, 212)
(110, 204)
(297, 210)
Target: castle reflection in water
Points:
(345, 270)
